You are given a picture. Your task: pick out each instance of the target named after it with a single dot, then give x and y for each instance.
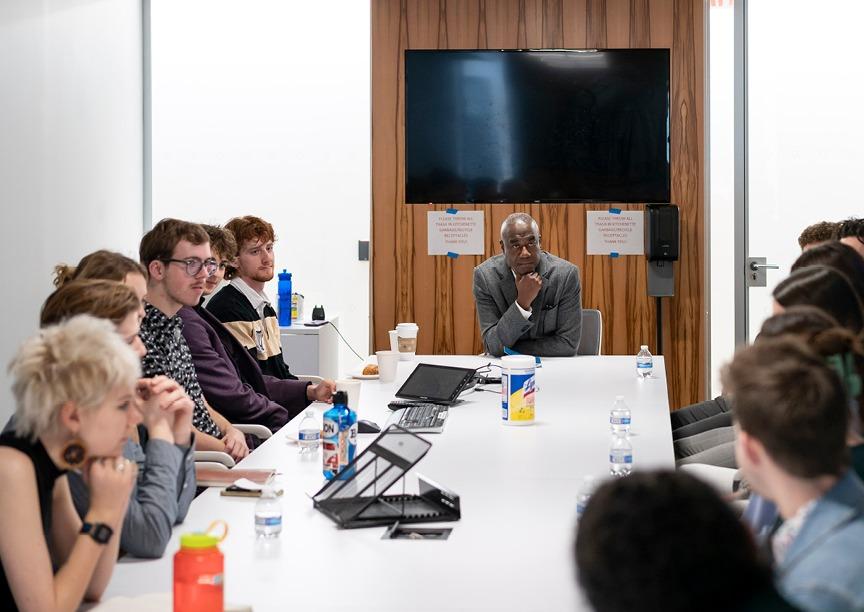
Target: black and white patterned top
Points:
(168, 354)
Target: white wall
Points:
(721, 83)
(263, 107)
(70, 150)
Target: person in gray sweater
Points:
(162, 446)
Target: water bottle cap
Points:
(644, 347)
(619, 398)
(268, 492)
(198, 540)
(340, 397)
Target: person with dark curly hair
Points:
(816, 234)
(851, 232)
(632, 545)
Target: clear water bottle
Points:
(586, 490)
(644, 362)
(621, 456)
(619, 417)
(309, 435)
(268, 515)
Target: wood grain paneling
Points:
(435, 292)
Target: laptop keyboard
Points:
(422, 416)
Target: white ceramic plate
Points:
(358, 372)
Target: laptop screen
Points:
(435, 383)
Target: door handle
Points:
(760, 266)
(755, 271)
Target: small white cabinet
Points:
(311, 350)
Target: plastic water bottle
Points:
(199, 574)
(644, 362)
(335, 436)
(347, 440)
(586, 490)
(309, 435)
(621, 456)
(268, 515)
(284, 298)
(619, 417)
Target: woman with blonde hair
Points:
(162, 446)
(73, 385)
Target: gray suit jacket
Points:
(824, 566)
(555, 324)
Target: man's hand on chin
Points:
(527, 289)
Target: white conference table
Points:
(512, 548)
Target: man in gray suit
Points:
(528, 300)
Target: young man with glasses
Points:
(176, 255)
(528, 301)
(229, 375)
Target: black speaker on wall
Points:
(662, 234)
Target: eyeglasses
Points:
(194, 265)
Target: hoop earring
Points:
(73, 454)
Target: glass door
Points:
(800, 140)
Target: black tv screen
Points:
(537, 126)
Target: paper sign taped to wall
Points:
(619, 232)
(455, 233)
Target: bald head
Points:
(520, 243)
(521, 219)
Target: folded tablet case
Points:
(357, 497)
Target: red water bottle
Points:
(199, 574)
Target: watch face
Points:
(98, 531)
(102, 533)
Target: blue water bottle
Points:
(332, 431)
(284, 299)
(347, 441)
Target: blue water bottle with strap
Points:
(284, 299)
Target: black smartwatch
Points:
(98, 531)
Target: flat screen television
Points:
(537, 126)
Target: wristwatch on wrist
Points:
(98, 531)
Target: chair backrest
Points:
(592, 332)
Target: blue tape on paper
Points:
(451, 211)
(614, 211)
(452, 255)
(613, 254)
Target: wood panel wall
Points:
(435, 291)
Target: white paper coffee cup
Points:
(352, 388)
(387, 364)
(407, 340)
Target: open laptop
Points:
(425, 396)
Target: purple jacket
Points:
(231, 380)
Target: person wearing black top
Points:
(73, 386)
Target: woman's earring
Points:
(73, 454)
